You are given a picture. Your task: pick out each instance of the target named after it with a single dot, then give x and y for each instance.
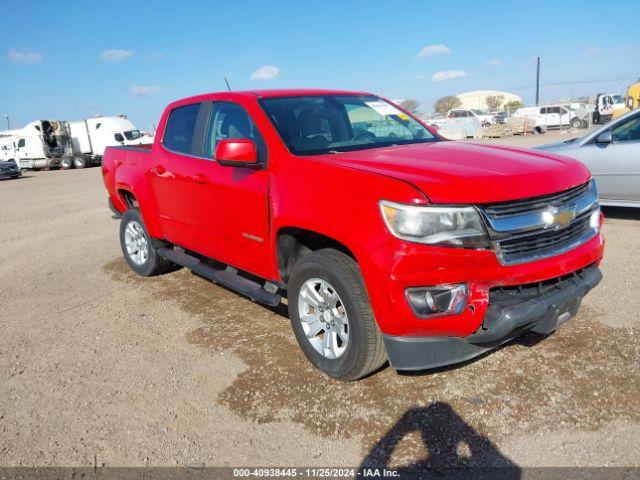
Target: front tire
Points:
(576, 123)
(138, 247)
(331, 316)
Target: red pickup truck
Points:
(388, 241)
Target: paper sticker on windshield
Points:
(383, 108)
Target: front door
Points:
(616, 165)
(236, 198)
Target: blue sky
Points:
(70, 60)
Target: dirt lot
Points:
(100, 366)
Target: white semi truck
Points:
(40, 144)
(52, 143)
(90, 137)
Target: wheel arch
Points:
(293, 243)
(130, 198)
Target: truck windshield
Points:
(314, 125)
(132, 134)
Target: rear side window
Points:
(21, 143)
(179, 132)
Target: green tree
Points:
(513, 105)
(444, 104)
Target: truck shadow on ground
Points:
(452, 448)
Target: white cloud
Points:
(448, 75)
(431, 50)
(16, 56)
(589, 52)
(142, 90)
(116, 55)
(494, 62)
(265, 72)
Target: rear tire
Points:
(138, 247)
(576, 123)
(66, 163)
(363, 352)
(79, 162)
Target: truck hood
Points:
(460, 172)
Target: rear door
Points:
(171, 177)
(553, 117)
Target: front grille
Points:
(521, 231)
(541, 241)
(500, 210)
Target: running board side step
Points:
(228, 277)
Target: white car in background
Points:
(549, 117)
(483, 117)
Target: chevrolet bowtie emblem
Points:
(559, 217)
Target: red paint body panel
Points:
(234, 214)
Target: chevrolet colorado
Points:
(388, 242)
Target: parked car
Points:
(461, 113)
(388, 241)
(500, 118)
(8, 170)
(549, 117)
(612, 153)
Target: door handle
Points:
(200, 178)
(158, 170)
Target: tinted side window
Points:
(543, 110)
(229, 120)
(627, 131)
(118, 137)
(21, 143)
(179, 133)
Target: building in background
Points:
(478, 99)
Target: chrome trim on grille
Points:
(542, 227)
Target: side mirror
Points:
(237, 153)
(604, 137)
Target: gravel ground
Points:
(100, 366)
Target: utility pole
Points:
(538, 82)
(8, 121)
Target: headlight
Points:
(459, 227)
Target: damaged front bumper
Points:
(540, 307)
